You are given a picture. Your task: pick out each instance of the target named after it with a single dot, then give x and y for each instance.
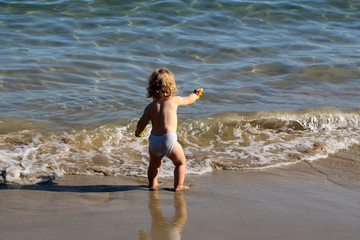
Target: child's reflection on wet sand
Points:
(162, 227)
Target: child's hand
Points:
(198, 92)
(140, 135)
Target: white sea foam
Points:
(274, 139)
(229, 141)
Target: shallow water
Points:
(73, 78)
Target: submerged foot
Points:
(155, 187)
(181, 188)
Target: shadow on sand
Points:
(54, 187)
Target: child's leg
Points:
(177, 156)
(153, 170)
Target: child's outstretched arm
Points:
(143, 121)
(191, 98)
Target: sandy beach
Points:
(305, 201)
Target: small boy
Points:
(163, 115)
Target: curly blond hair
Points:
(161, 84)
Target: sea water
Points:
(281, 83)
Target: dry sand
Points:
(304, 201)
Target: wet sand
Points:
(305, 201)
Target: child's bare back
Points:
(163, 113)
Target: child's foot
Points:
(181, 188)
(155, 187)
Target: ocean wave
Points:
(30, 153)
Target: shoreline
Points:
(297, 202)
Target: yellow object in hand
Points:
(199, 93)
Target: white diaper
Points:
(162, 145)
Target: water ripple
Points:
(79, 58)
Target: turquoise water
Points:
(73, 77)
